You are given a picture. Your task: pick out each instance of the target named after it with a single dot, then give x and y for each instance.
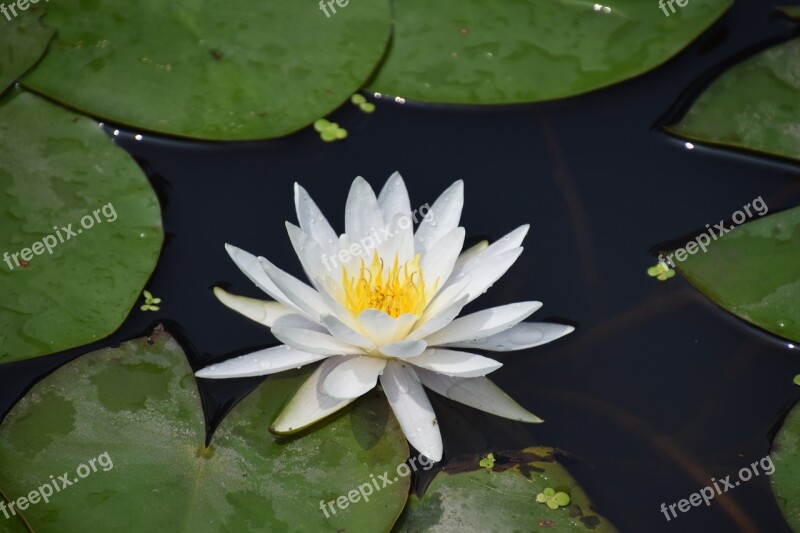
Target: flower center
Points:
(399, 290)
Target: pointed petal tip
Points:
(219, 292)
(433, 455)
(204, 373)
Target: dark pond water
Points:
(656, 392)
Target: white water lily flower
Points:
(383, 306)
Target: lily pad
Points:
(59, 170)
(785, 479)
(138, 404)
(752, 271)
(464, 494)
(753, 106)
(201, 69)
(510, 51)
(22, 42)
(792, 12)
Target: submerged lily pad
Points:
(66, 188)
(785, 479)
(754, 105)
(139, 405)
(509, 51)
(23, 40)
(467, 497)
(753, 271)
(202, 69)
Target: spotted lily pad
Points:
(23, 40)
(202, 69)
(467, 497)
(125, 428)
(752, 271)
(509, 51)
(785, 479)
(66, 188)
(753, 106)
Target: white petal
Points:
(483, 323)
(301, 296)
(442, 218)
(341, 331)
(362, 216)
(352, 376)
(251, 267)
(397, 239)
(296, 320)
(486, 271)
(260, 363)
(316, 263)
(455, 363)
(469, 253)
(520, 337)
(393, 198)
(507, 242)
(479, 393)
(488, 265)
(412, 409)
(313, 221)
(382, 329)
(439, 320)
(404, 349)
(437, 262)
(309, 404)
(313, 341)
(337, 308)
(262, 311)
(445, 298)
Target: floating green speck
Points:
(367, 107)
(797, 379)
(487, 462)
(149, 301)
(322, 125)
(553, 499)
(358, 99)
(660, 271)
(329, 131)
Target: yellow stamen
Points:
(399, 290)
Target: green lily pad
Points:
(753, 106)
(752, 271)
(23, 40)
(510, 51)
(60, 170)
(201, 69)
(792, 12)
(463, 495)
(135, 411)
(785, 479)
